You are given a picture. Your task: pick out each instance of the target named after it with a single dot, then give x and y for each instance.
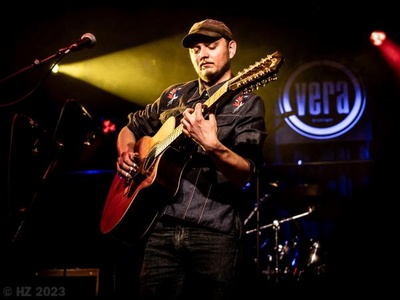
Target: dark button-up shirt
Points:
(202, 193)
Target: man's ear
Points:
(232, 48)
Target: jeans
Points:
(185, 261)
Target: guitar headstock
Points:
(258, 74)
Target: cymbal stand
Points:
(256, 212)
(275, 225)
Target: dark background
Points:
(51, 200)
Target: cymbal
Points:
(302, 197)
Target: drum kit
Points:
(285, 253)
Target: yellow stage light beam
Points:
(137, 74)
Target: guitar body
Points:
(133, 204)
(124, 219)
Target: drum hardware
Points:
(314, 249)
(255, 209)
(276, 223)
(278, 249)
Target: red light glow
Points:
(108, 127)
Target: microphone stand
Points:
(55, 157)
(36, 63)
(52, 165)
(61, 53)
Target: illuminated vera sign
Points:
(322, 100)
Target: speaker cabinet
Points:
(67, 283)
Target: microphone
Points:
(87, 40)
(85, 112)
(32, 122)
(83, 109)
(90, 135)
(33, 125)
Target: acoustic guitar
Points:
(132, 204)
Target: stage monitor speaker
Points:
(67, 283)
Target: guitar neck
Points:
(161, 146)
(210, 102)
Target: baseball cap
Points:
(206, 30)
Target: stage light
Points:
(389, 49)
(377, 37)
(55, 68)
(108, 127)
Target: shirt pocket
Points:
(226, 128)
